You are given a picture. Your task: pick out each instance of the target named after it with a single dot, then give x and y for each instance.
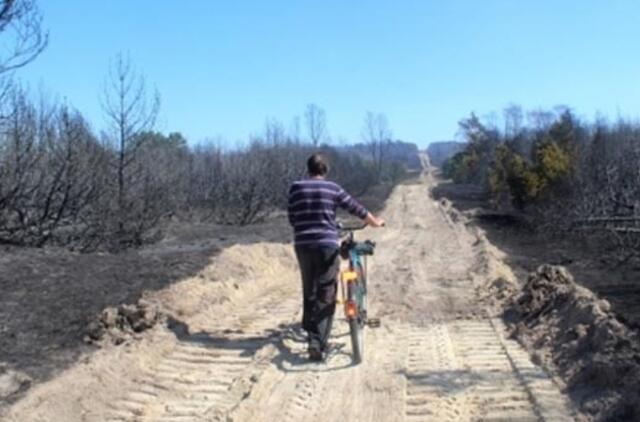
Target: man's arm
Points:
(347, 202)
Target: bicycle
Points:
(353, 288)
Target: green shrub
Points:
(512, 178)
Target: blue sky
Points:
(222, 67)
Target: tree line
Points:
(63, 183)
(565, 174)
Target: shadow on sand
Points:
(289, 341)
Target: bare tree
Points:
(131, 112)
(513, 120)
(294, 129)
(23, 40)
(21, 21)
(316, 122)
(47, 164)
(20, 159)
(274, 132)
(205, 177)
(540, 120)
(377, 136)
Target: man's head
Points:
(317, 165)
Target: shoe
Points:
(315, 355)
(332, 349)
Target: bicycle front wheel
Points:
(357, 340)
(356, 322)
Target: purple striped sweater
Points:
(312, 211)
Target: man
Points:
(313, 203)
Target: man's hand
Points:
(374, 221)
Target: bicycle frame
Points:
(351, 275)
(353, 283)
(356, 273)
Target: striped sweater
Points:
(312, 211)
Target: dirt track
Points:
(234, 350)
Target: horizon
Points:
(224, 70)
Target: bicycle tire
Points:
(356, 325)
(363, 305)
(357, 340)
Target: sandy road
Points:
(438, 356)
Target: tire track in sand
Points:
(466, 371)
(209, 373)
(435, 386)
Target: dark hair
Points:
(317, 165)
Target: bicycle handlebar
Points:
(351, 228)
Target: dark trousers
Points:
(319, 266)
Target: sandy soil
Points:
(232, 348)
(571, 304)
(590, 264)
(49, 296)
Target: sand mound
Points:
(12, 382)
(576, 334)
(235, 276)
(117, 324)
(494, 281)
